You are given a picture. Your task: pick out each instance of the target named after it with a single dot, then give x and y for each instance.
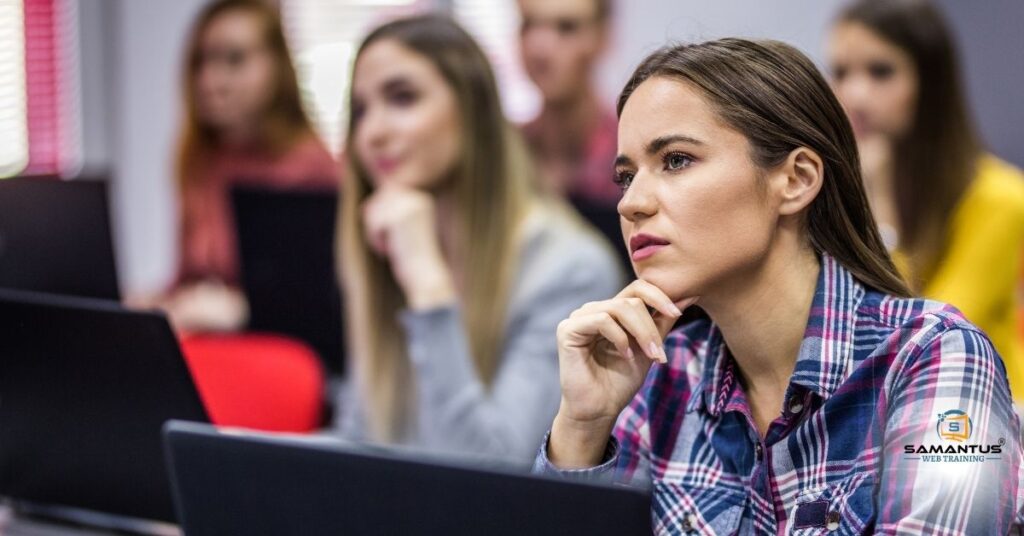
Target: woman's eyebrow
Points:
(395, 83)
(656, 145)
(659, 143)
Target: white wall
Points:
(641, 27)
(991, 42)
(95, 47)
(131, 58)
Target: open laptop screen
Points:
(85, 387)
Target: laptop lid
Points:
(233, 484)
(55, 237)
(286, 247)
(85, 387)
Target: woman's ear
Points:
(801, 176)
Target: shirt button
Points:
(832, 521)
(689, 522)
(758, 451)
(795, 405)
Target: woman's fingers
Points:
(641, 315)
(653, 296)
(376, 237)
(631, 315)
(666, 323)
(667, 310)
(375, 225)
(638, 320)
(613, 333)
(586, 327)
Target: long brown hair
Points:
(936, 159)
(284, 121)
(775, 96)
(490, 186)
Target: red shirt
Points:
(207, 242)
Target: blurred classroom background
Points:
(116, 104)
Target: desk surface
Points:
(14, 525)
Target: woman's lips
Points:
(860, 123)
(384, 166)
(645, 252)
(643, 246)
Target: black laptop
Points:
(85, 387)
(55, 237)
(227, 484)
(286, 246)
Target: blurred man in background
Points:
(573, 137)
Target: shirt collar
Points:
(825, 353)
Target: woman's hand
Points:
(400, 224)
(605, 350)
(206, 306)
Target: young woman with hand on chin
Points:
(790, 409)
(456, 270)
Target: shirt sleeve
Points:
(349, 418)
(957, 375)
(603, 472)
(627, 457)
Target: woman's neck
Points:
(763, 313)
(567, 124)
(240, 137)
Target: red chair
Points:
(260, 381)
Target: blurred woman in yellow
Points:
(952, 213)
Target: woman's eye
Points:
(235, 58)
(358, 109)
(623, 179)
(881, 71)
(567, 27)
(403, 98)
(677, 161)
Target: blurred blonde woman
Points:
(456, 271)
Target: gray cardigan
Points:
(563, 265)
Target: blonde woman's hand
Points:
(400, 223)
(605, 350)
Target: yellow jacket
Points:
(980, 271)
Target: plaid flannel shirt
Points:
(897, 419)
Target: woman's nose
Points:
(638, 201)
(855, 91)
(373, 128)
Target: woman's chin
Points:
(676, 285)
